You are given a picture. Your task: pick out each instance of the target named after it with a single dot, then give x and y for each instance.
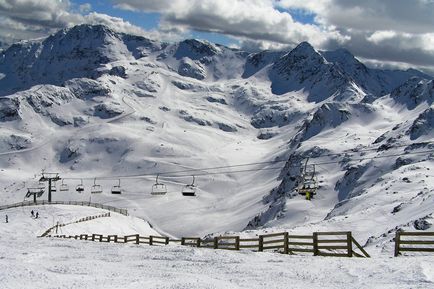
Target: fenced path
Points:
(85, 219)
(72, 203)
(337, 244)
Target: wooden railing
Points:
(85, 219)
(413, 242)
(72, 203)
(318, 244)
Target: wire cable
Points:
(174, 174)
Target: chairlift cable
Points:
(174, 174)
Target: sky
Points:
(386, 33)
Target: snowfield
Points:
(31, 262)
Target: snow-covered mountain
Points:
(92, 103)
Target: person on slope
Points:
(308, 195)
(32, 213)
(37, 215)
(7, 219)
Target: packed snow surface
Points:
(31, 262)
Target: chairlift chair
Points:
(41, 186)
(158, 188)
(117, 190)
(96, 189)
(308, 181)
(63, 187)
(53, 187)
(189, 190)
(80, 188)
(34, 191)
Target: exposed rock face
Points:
(191, 68)
(9, 109)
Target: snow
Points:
(64, 263)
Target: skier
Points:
(7, 219)
(33, 213)
(308, 195)
(37, 215)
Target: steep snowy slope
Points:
(91, 103)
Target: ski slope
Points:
(28, 261)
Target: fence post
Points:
(285, 243)
(125, 239)
(237, 242)
(397, 242)
(349, 245)
(167, 240)
(315, 244)
(137, 239)
(116, 239)
(151, 240)
(261, 243)
(216, 242)
(182, 241)
(198, 242)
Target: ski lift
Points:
(96, 189)
(117, 189)
(189, 190)
(80, 188)
(158, 188)
(63, 187)
(308, 182)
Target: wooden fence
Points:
(413, 242)
(72, 203)
(85, 219)
(318, 244)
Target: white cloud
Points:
(29, 19)
(415, 16)
(249, 19)
(85, 8)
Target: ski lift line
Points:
(241, 165)
(141, 176)
(251, 164)
(321, 163)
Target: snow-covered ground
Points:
(30, 262)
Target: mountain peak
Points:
(305, 49)
(340, 55)
(195, 49)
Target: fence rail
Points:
(413, 245)
(276, 242)
(85, 219)
(72, 203)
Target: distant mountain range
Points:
(90, 101)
